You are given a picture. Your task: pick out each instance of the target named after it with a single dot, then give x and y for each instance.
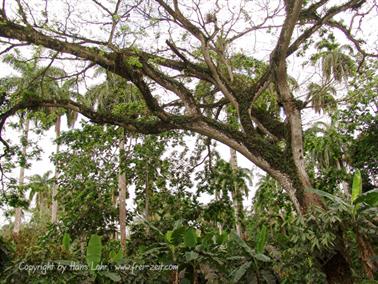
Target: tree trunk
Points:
(122, 185)
(54, 204)
(367, 253)
(344, 184)
(21, 179)
(115, 205)
(218, 224)
(237, 199)
(337, 269)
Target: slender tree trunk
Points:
(54, 205)
(21, 179)
(122, 185)
(219, 224)
(237, 199)
(115, 205)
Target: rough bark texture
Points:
(21, 178)
(54, 204)
(337, 269)
(367, 256)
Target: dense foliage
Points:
(152, 105)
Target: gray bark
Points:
(122, 186)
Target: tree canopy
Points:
(195, 46)
(244, 73)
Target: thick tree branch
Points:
(25, 34)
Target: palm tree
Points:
(321, 97)
(33, 81)
(337, 63)
(116, 94)
(327, 147)
(40, 189)
(62, 92)
(231, 178)
(238, 184)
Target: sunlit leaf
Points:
(356, 186)
(261, 239)
(66, 242)
(370, 198)
(94, 250)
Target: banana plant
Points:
(250, 268)
(94, 258)
(359, 202)
(362, 209)
(199, 255)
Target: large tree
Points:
(163, 46)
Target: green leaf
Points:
(370, 198)
(112, 275)
(268, 277)
(262, 257)
(190, 238)
(242, 270)
(243, 244)
(331, 197)
(178, 224)
(221, 238)
(356, 186)
(191, 255)
(94, 250)
(66, 242)
(116, 257)
(133, 61)
(153, 228)
(178, 235)
(261, 239)
(168, 236)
